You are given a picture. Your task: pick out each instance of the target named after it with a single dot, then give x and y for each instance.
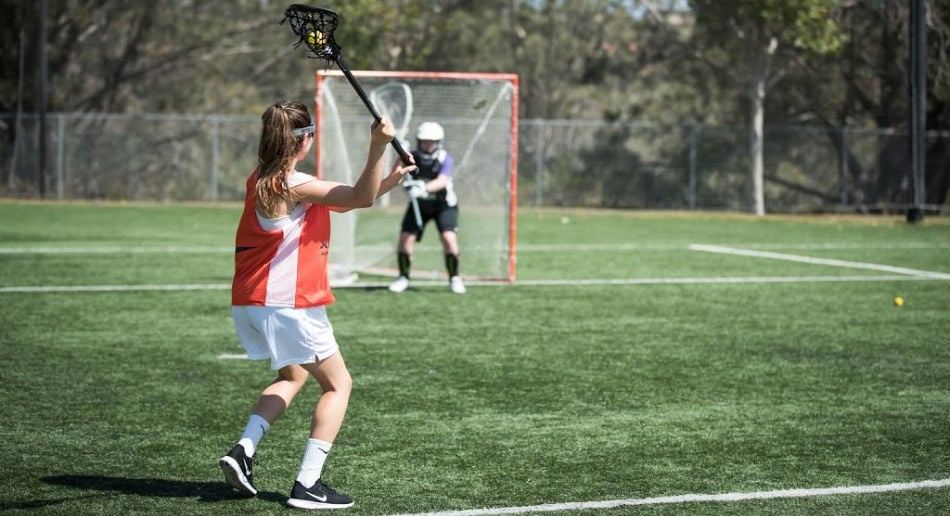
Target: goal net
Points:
(480, 118)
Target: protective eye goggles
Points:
(310, 129)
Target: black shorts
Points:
(446, 218)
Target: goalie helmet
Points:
(429, 131)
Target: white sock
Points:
(314, 456)
(253, 433)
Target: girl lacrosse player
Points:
(280, 292)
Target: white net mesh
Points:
(479, 115)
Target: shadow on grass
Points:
(147, 487)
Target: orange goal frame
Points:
(474, 76)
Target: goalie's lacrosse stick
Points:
(315, 26)
(394, 99)
(415, 211)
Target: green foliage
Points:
(815, 27)
(580, 59)
(806, 24)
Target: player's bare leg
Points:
(309, 490)
(238, 464)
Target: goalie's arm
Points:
(437, 184)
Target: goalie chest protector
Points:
(429, 168)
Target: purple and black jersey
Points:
(431, 165)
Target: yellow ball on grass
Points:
(899, 301)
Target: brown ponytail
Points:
(275, 154)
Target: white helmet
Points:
(430, 131)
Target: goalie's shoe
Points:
(317, 496)
(400, 285)
(238, 470)
(455, 283)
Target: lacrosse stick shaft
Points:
(415, 211)
(403, 155)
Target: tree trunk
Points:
(758, 137)
(17, 123)
(759, 77)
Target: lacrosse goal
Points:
(479, 113)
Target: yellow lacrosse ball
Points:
(316, 38)
(899, 301)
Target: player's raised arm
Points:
(363, 193)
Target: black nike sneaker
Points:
(238, 470)
(319, 496)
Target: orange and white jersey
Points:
(282, 262)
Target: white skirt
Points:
(285, 335)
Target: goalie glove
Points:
(416, 189)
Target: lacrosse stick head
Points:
(314, 26)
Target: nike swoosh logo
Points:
(317, 498)
(247, 470)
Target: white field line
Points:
(853, 245)
(664, 246)
(718, 280)
(641, 246)
(110, 288)
(113, 249)
(817, 261)
(233, 356)
(523, 283)
(697, 498)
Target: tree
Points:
(840, 63)
(752, 35)
(866, 85)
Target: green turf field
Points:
(643, 360)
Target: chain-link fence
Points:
(131, 157)
(173, 158)
(690, 167)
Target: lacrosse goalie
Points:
(431, 197)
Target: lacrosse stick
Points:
(394, 99)
(314, 26)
